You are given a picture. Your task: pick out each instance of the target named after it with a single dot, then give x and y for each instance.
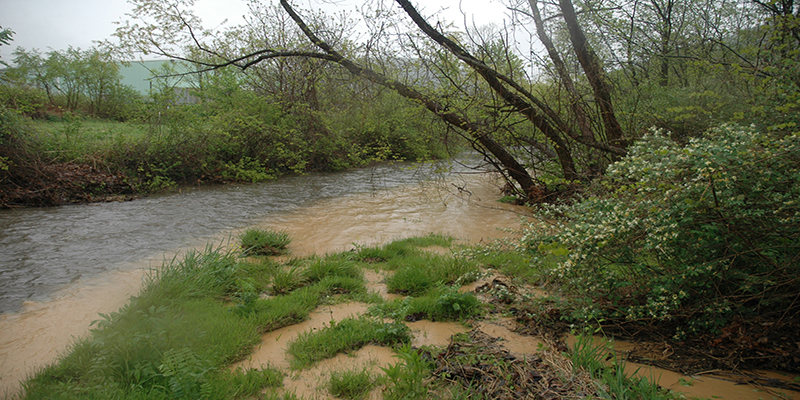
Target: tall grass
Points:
(174, 340)
(416, 274)
(604, 365)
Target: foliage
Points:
(343, 336)
(406, 379)
(23, 100)
(264, 242)
(75, 80)
(697, 234)
(6, 36)
(351, 384)
(613, 382)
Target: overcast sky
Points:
(58, 24)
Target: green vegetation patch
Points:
(512, 260)
(345, 335)
(406, 379)
(264, 242)
(416, 274)
(175, 340)
(401, 248)
(351, 384)
(443, 303)
(317, 268)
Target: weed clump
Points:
(342, 336)
(264, 242)
(351, 384)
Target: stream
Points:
(60, 267)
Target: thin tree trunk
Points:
(492, 78)
(561, 69)
(594, 73)
(515, 170)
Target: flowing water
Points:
(60, 267)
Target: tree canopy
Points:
(595, 75)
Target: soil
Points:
(44, 185)
(745, 344)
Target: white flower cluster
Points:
(668, 215)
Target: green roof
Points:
(141, 74)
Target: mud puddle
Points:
(747, 385)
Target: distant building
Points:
(145, 76)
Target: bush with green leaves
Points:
(694, 234)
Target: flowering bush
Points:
(695, 233)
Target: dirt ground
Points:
(57, 184)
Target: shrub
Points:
(696, 234)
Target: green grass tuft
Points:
(342, 336)
(351, 384)
(264, 242)
(319, 268)
(417, 274)
(440, 304)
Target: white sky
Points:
(58, 24)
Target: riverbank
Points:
(331, 223)
(64, 183)
(371, 219)
(364, 313)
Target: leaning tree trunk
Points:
(595, 74)
(493, 78)
(479, 133)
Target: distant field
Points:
(80, 139)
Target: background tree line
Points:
(58, 108)
(595, 77)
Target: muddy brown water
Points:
(60, 267)
(324, 214)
